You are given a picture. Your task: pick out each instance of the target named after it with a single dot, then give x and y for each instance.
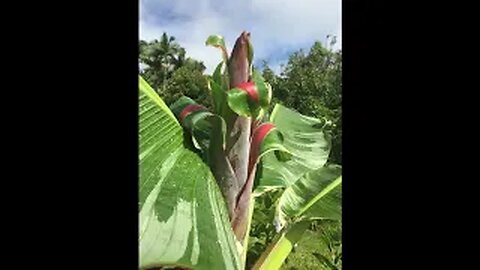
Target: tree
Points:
(161, 58)
(171, 73)
(312, 84)
(189, 81)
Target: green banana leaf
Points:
(312, 189)
(304, 139)
(183, 219)
(317, 195)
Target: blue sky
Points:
(277, 27)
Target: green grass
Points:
(320, 248)
(322, 238)
(302, 256)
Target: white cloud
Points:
(276, 25)
(277, 67)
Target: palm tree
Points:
(162, 58)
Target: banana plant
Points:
(200, 170)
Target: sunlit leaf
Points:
(238, 101)
(183, 220)
(306, 142)
(264, 90)
(219, 42)
(219, 96)
(317, 195)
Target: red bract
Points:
(251, 90)
(189, 109)
(258, 135)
